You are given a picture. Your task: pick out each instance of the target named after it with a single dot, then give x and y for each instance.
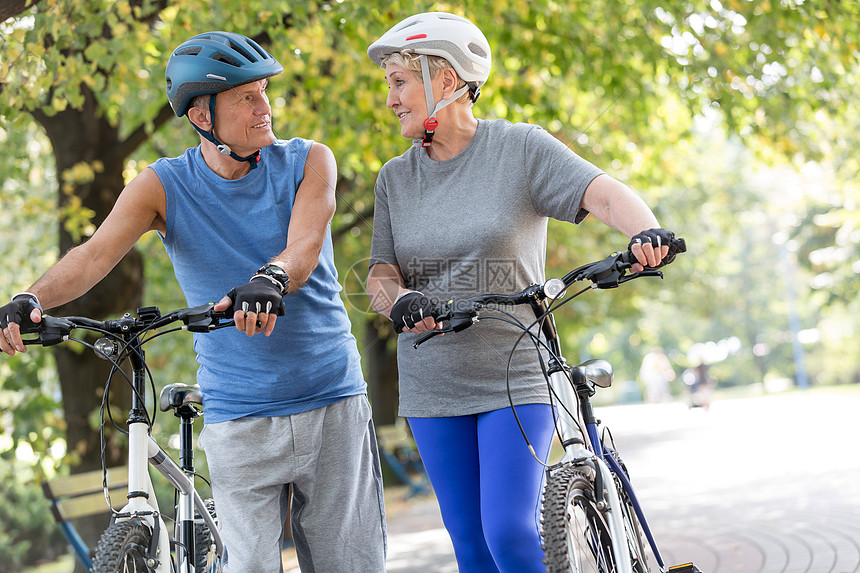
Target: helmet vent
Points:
(259, 50)
(192, 51)
(408, 25)
(477, 50)
(241, 50)
(226, 59)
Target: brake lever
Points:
(428, 335)
(641, 274)
(457, 321)
(51, 331)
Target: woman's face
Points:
(406, 98)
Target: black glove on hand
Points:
(657, 238)
(18, 311)
(411, 308)
(259, 295)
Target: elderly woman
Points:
(464, 211)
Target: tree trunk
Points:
(84, 136)
(380, 352)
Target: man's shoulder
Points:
(297, 147)
(186, 158)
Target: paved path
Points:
(760, 485)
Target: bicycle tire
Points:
(574, 532)
(123, 548)
(206, 560)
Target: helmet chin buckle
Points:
(430, 125)
(223, 149)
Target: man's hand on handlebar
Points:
(24, 308)
(255, 306)
(651, 249)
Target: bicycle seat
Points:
(177, 395)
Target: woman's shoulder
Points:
(504, 129)
(406, 160)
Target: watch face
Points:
(277, 272)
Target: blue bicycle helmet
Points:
(214, 62)
(209, 64)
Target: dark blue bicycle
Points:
(591, 521)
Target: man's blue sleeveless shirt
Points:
(218, 233)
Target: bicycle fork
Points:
(142, 503)
(576, 452)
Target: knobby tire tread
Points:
(122, 548)
(205, 558)
(570, 489)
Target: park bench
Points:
(397, 449)
(82, 495)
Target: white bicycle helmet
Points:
(448, 36)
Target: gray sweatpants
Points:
(330, 457)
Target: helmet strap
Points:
(223, 148)
(431, 123)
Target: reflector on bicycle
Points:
(685, 568)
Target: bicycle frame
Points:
(143, 450)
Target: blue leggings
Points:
(489, 485)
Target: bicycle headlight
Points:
(106, 348)
(554, 288)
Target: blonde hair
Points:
(409, 60)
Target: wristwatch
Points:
(277, 275)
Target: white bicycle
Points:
(137, 539)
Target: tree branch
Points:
(361, 217)
(12, 8)
(140, 134)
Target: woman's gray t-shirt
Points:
(474, 224)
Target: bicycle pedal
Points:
(685, 568)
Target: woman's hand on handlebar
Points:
(414, 313)
(427, 325)
(651, 248)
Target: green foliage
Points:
(27, 529)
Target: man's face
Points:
(243, 118)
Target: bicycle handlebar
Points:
(54, 330)
(608, 273)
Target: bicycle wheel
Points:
(633, 530)
(633, 533)
(574, 531)
(207, 561)
(123, 548)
